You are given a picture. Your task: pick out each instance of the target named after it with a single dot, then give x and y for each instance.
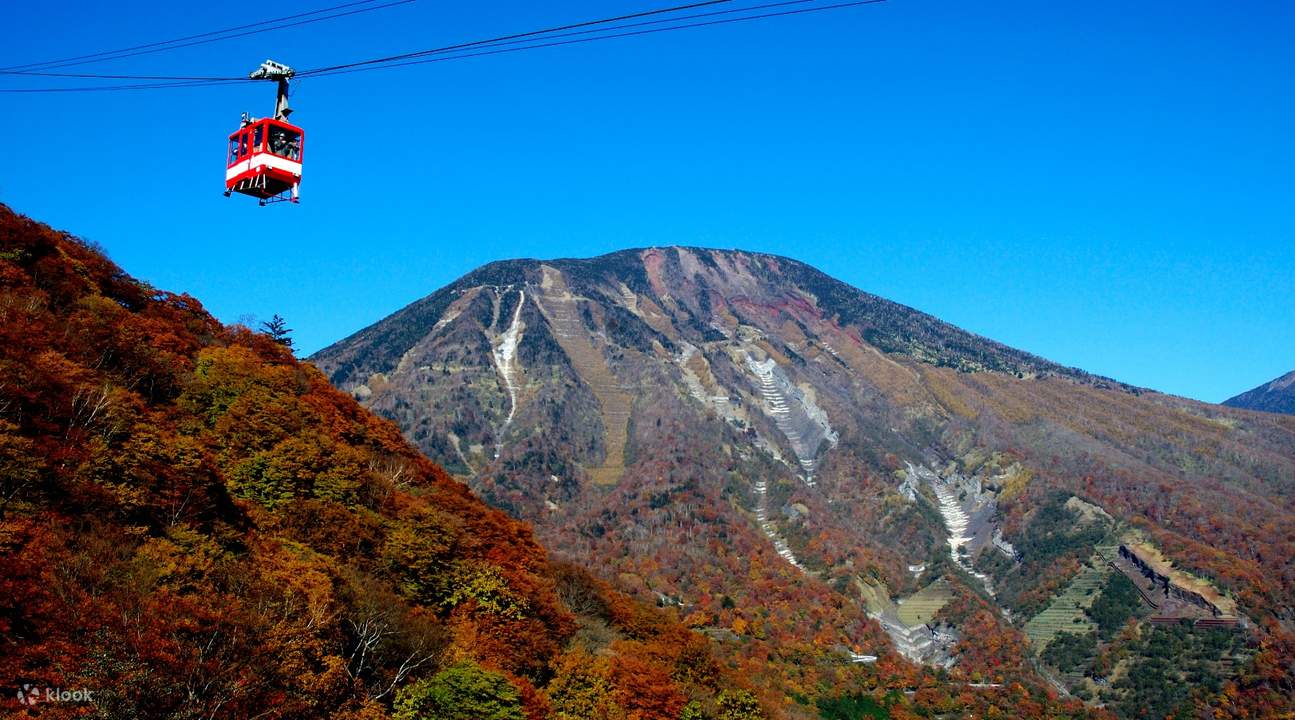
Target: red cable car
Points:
(264, 159)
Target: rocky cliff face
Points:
(752, 339)
(1277, 396)
(784, 457)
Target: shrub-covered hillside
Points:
(195, 525)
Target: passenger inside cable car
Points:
(285, 143)
(282, 142)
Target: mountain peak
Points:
(1276, 396)
(690, 282)
(794, 463)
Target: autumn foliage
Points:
(194, 524)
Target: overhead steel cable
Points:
(41, 73)
(32, 73)
(187, 37)
(113, 88)
(542, 43)
(102, 55)
(534, 40)
(532, 33)
(208, 40)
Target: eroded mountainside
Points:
(827, 482)
(195, 525)
(1277, 396)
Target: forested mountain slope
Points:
(195, 525)
(814, 475)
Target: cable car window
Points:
(257, 140)
(238, 148)
(285, 143)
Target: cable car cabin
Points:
(265, 161)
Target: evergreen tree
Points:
(278, 330)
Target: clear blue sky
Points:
(1107, 184)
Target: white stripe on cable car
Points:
(266, 159)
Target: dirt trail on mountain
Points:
(562, 311)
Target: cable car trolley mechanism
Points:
(264, 158)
